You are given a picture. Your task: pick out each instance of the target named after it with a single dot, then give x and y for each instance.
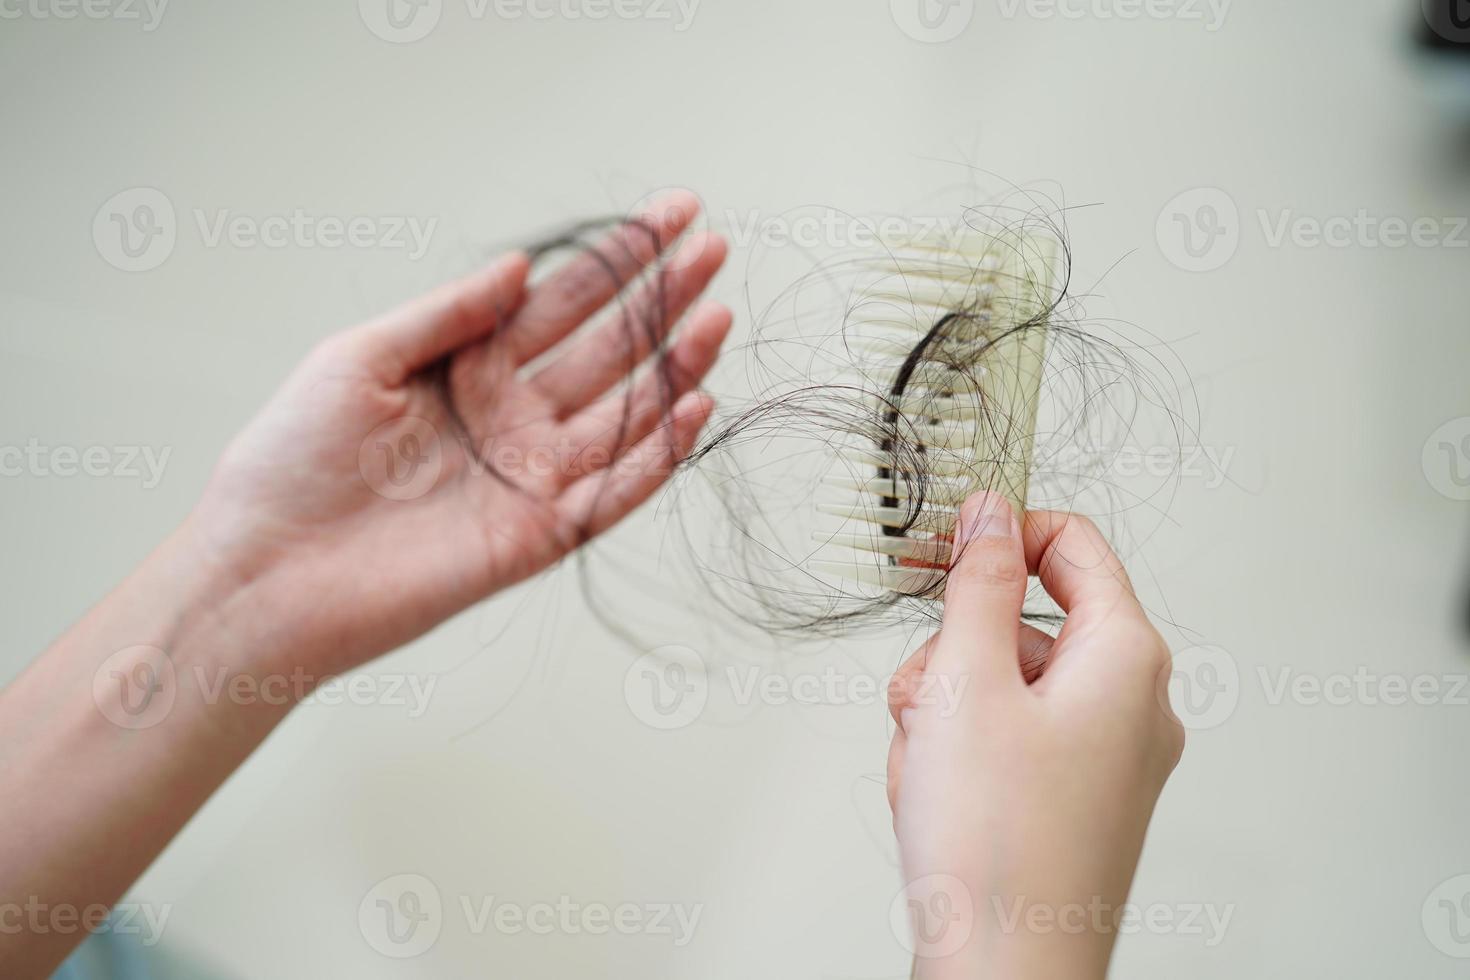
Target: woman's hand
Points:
(413, 466)
(409, 468)
(1021, 806)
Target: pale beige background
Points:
(1324, 370)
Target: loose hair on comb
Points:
(888, 382)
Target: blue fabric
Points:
(111, 955)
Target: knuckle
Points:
(1172, 744)
(1080, 540)
(1083, 526)
(989, 566)
(333, 350)
(898, 691)
(580, 282)
(1136, 639)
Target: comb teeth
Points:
(894, 578)
(934, 521)
(950, 493)
(928, 551)
(946, 464)
(958, 420)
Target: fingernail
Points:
(986, 515)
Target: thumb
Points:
(983, 597)
(445, 319)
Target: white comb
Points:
(961, 411)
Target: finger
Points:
(1076, 565)
(613, 348)
(604, 430)
(586, 283)
(983, 596)
(598, 501)
(442, 321)
(903, 685)
(1086, 578)
(1034, 652)
(896, 751)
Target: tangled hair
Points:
(831, 401)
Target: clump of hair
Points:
(746, 511)
(825, 412)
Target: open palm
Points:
(420, 462)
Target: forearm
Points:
(1016, 938)
(1030, 958)
(116, 735)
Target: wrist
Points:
(1009, 937)
(124, 726)
(184, 641)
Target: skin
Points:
(1021, 801)
(294, 567)
(315, 549)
